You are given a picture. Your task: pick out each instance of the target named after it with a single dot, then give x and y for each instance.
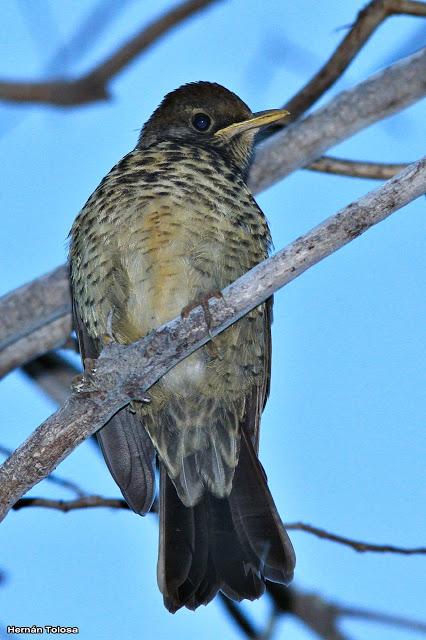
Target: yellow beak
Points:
(259, 119)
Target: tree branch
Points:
(124, 373)
(240, 618)
(93, 85)
(34, 319)
(319, 615)
(53, 478)
(34, 305)
(322, 616)
(84, 502)
(376, 98)
(53, 375)
(357, 545)
(356, 169)
(366, 23)
(383, 618)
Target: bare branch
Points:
(383, 618)
(53, 375)
(84, 502)
(34, 319)
(303, 142)
(319, 615)
(239, 617)
(34, 305)
(366, 23)
(323, 616)
(123, 373)
(93, 85)
(118, 503)
(357, 169)
(357, 545)
(53, 478)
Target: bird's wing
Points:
(125, 444)
(258, 395)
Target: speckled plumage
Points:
(172, 221)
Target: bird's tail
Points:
(229, 544)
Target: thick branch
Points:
(34, 319)
(53, 478)
(296, 147)
(123, 373)
(301, 143)
(366, 23)
(357, 169)
(53, 375)
(93, 85)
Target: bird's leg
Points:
(202, 301)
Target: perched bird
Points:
(170, 224)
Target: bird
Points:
(170, 226)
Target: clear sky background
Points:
(343, 434)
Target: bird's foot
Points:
(83, 384)
(202, 301)
(133, 405)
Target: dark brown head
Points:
(207, 114)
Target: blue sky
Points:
(343, 433)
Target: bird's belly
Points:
(167, 271)
(171, 259)
(171, 256)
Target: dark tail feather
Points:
(256, 518)
(229, 544)
(130, 456)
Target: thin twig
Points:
(356, 168)
(28, 315)
(85, 37)
(366, 23)
(270, 626)
(357, 545)
(118, 503)
(85, 502)
(93, 85)
(383, 618)
(239, 617)
(124, 373)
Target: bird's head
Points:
(207, 114)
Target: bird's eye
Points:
(201, 121)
